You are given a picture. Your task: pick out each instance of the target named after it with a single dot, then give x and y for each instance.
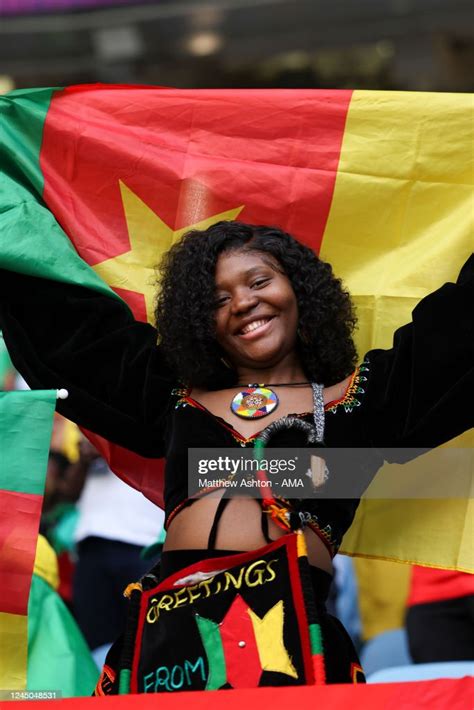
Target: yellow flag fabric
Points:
(400, 225)
(14, 651)
(14, 627)
(382, 595)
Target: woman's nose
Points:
(244, 301)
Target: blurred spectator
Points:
(440, 618)
(115, 523)
(65, 437)
(55, 480)
(346, 602)
(59, 519)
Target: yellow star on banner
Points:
(269, 636)
(149, 238)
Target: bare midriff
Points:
(239, 529)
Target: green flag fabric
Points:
(58, 656)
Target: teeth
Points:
(254, 325)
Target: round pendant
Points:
(254, 402)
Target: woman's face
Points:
(256, 312)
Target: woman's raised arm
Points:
(420, 393)
(60, 335)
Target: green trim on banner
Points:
(315, 639)
(31, 240)
(212, 642)
(26, 424)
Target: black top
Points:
(417, 394)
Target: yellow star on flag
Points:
(150, 238)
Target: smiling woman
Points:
(251, 325)
(215, 287)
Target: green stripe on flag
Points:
(212, 642)
(26, 423)
(31, 240)
(23, 114)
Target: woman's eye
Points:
(221, 301)
(260, 282)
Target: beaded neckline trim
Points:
(351, 399)
(348, 402)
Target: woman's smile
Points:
(256, 328)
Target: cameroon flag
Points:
(26, 422)
(101, 180)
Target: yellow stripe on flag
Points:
(400, 225)
(13, 651)
(433, 533)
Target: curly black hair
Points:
(185, 305)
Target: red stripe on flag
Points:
(19, 524)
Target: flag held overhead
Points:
(101, 180)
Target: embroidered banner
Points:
(245, 623)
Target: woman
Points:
(239, 305)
